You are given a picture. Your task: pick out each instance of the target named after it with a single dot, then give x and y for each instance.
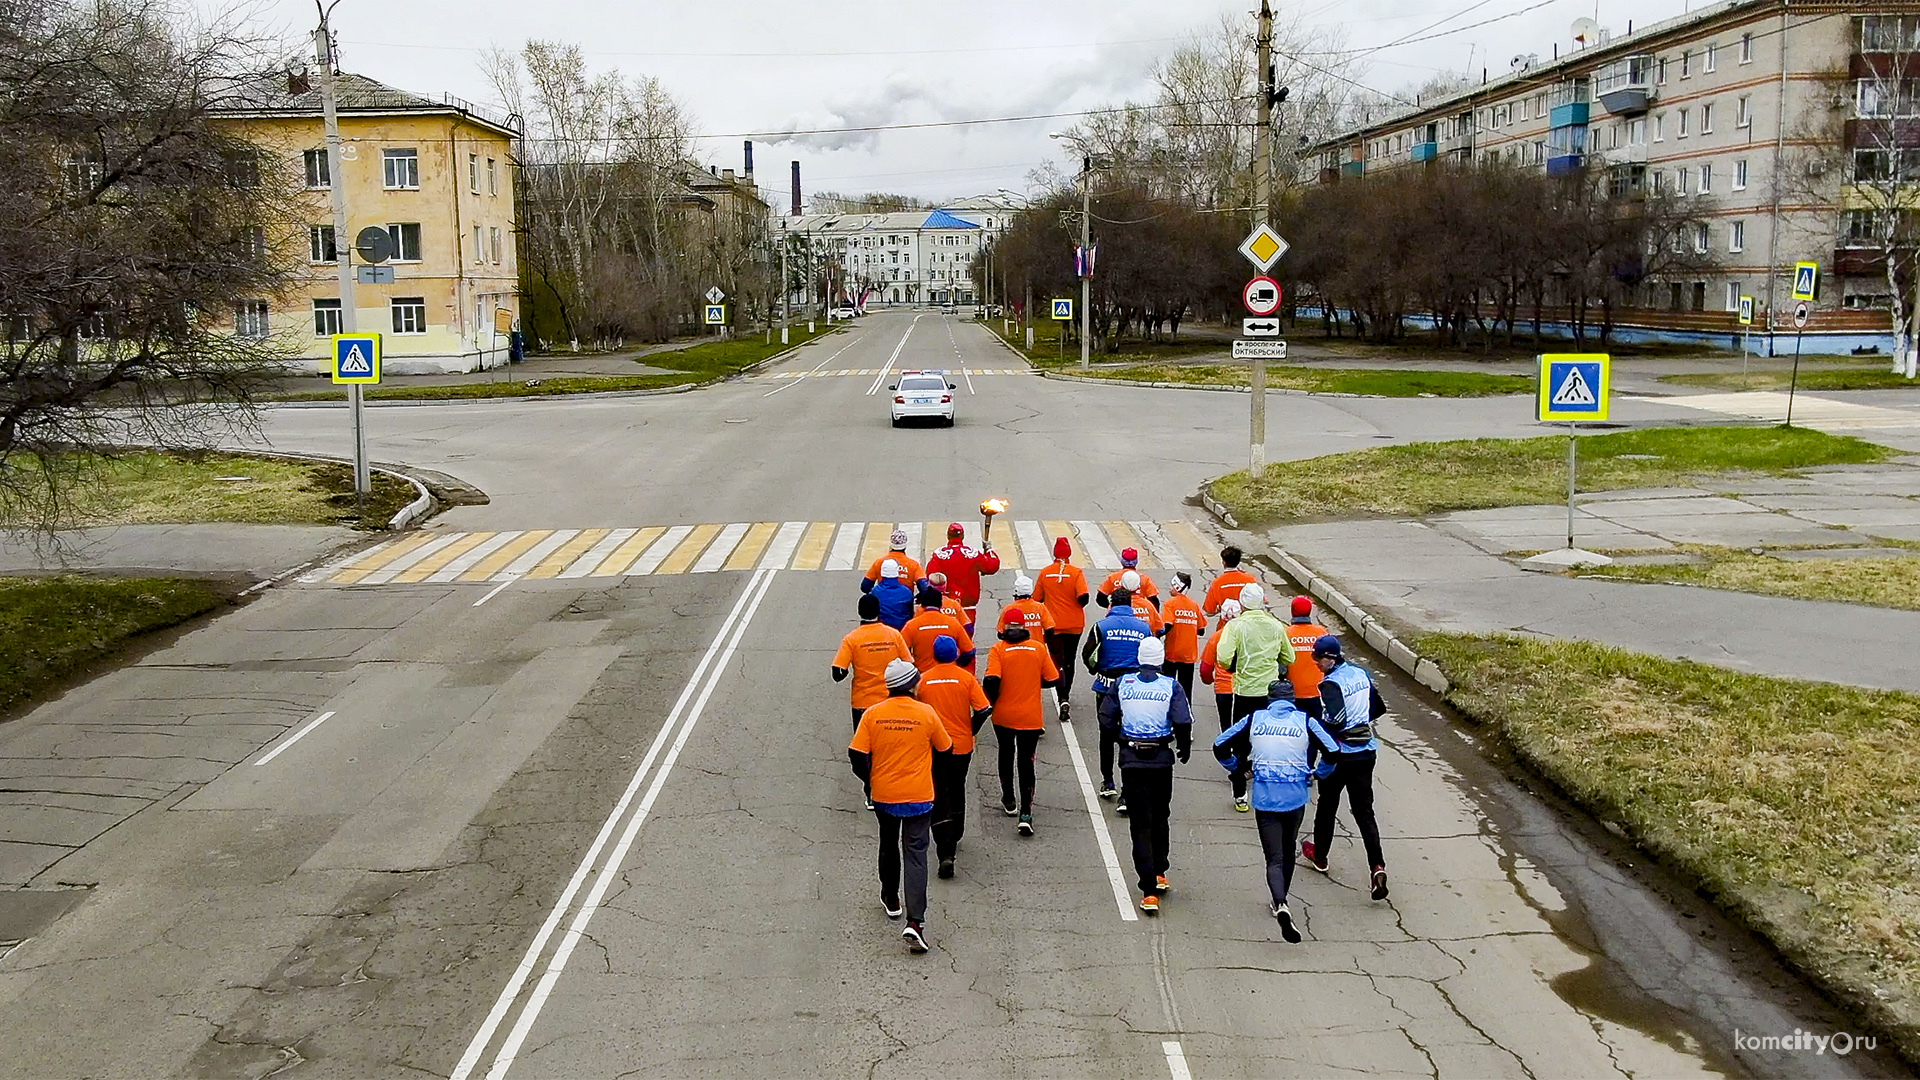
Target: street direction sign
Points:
(1062, 308)
(1263, 247)
(716, 314)
(1746, 311)
(1806, 280)
(374, 244)
(1575, 386)
(1261, 296)
(1800, 316)
(1260, 327)
(373, 275)
(1259, 350)
(714, 295)
(356, 358)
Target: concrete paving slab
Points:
(26, 912)
(1543, 524)
(1636, 494)
(260, 550)
(1747, 530)
(1908, 533)
(1845, 553)
(1794, 504)
(1908, 515)
(1633, 510)
(20, 862)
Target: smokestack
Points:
(749, 163)
(796, 189)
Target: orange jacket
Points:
(1148, 591)
(1225, 587)
(901, 735)
(866, 650)
(909, 568)
(1060, 587)
(1035, 614)
(956, 695)
(1210, 669)
(1305, 672)
(1022, 669)
(1185, 624)
(925, 628)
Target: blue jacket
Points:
(1279, 744)
(1114, 645)
(896, 602)
(1149, 714)
(1349, 707)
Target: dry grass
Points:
(1891, 582)
(156, 488)
(1821, 378)
(1794, 802)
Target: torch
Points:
(988, 508)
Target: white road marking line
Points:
(409, 560)
(536, 554)
(1163, 549)
(722, 547)
(780, 552)
(1121, 894)
(1033, 543)
(846, 546)
(495, 591)
(1176, 1061)
(1099, 552)
(796, 376)
(334, 567)
(472, 558)
(297, 736)
(503, 1061)
(585, 564)
(658, 551)
(511, 991)
(882, 376)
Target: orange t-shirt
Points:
(1185, 623)
(866, 649)
(1032, 612)
(1305, 672)
(925, 628)
(901, 734)
(909, 568)
(1155, 621)
(1147, 590)
(1226, 587)
(956, 695)
(1222, 678)
(1023, 669)
(1060, 587)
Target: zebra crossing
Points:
(1809, 410)
(509, 555)
(974, 372)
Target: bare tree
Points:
(137, 259)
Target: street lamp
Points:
(1087, 163)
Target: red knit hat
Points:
(1302, 607)
(1062, 548)
(1129, 556)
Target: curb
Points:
(1362, 622)
(409, 514)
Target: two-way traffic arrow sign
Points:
(1260, 327)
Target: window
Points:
(1702, 239)
(1699, 296)
(1660, 72)
(402, 168)
(320, 247)
(1889, 33)
(1706, 118)
(409, 314)
(250, 318)
(1540, 106)
(1680, 123)
(479, 253)
(1864, 228)
(406, 240)
(242, 168)
(1706, 179)
(473, 173)
(1746, 48)
(1686, 64)
(326, 318)
(251, 242)
(1740, 175)
(319, 172)
(494, 238)
(1659, 128)
(1737, 236)
(83, 174)
(1637, 133)
(1674, 298)
(1742, 113)
(1733, 296)
(1684, 181)
(1709, 56)
(493, 178)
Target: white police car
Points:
(922, 395)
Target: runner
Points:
(963, 707)
(1149, 717)
(1254, 647)
(893, 753)
(1142, 607)
(897, 551)
(1275, 748)
(1186, 624)
(865, 653)
(1038, 619)
(1210, 671)
(1018, 669)
(1304, 672)
(1143, 589)
(963, 567)
(896, 599)
(925, 629)
(1227, 585)
(1063, 589)
(1350, 706)
(1112, 650)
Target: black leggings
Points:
(1279, 830)
(1352, 773)
(949, 802)
(1183, 674)
(1224, 702)
(1227, 720)
(1064, 646)
(1020, 743)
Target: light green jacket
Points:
(1255, 648)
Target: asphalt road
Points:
(544, 826)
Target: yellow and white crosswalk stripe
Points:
(973, 372)
(577, 554)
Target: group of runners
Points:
(1291, 709)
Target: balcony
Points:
(1859, 262)
(1565, 164)
(1625, 86)
(1353, 168)
(1425, 151)
(1572, 114)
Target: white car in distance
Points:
(923, 395)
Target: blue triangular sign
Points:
(356, 361)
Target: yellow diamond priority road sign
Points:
(1263, 247)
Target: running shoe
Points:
(1121, 806)
(868, 799)
(1287, 929)
(1065, 708)
(1007, 804)
(1379, 883)
(893, 908)
(1108, 791)
(1241, 804)
(1150, 904)
(1160, 882)
(916, 939)
(1313, 856)
(1026, 825)
(946, 868)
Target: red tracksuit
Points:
(963, 567)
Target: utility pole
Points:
(1263, 215)
(786, 290)
(342, 240)
(1086, 252)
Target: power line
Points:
(791, 54)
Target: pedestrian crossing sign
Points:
(356, 358)
(1575, 386)
(1806, 280)
(716, 314)
(1063, 309)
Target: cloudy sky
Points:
(758, 66)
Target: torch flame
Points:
(990, 507)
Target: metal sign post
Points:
(1800, 317)
(337, 196)
(1574, 387)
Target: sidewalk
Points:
(257, 550)
(545, 366)
(1459, 572)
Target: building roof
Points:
(940, 219)
(280, 96)
(904, 221)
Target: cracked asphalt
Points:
(356, 906)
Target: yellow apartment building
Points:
(436, 175)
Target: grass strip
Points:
(1794, 803)
(1890, 582)
(152, 488)
(1810, 379)
(51, 628)
(1375, 382)
(1473, 474)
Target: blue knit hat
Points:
(945, 649)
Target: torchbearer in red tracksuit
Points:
(963, 567)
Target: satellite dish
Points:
(1585, 32)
